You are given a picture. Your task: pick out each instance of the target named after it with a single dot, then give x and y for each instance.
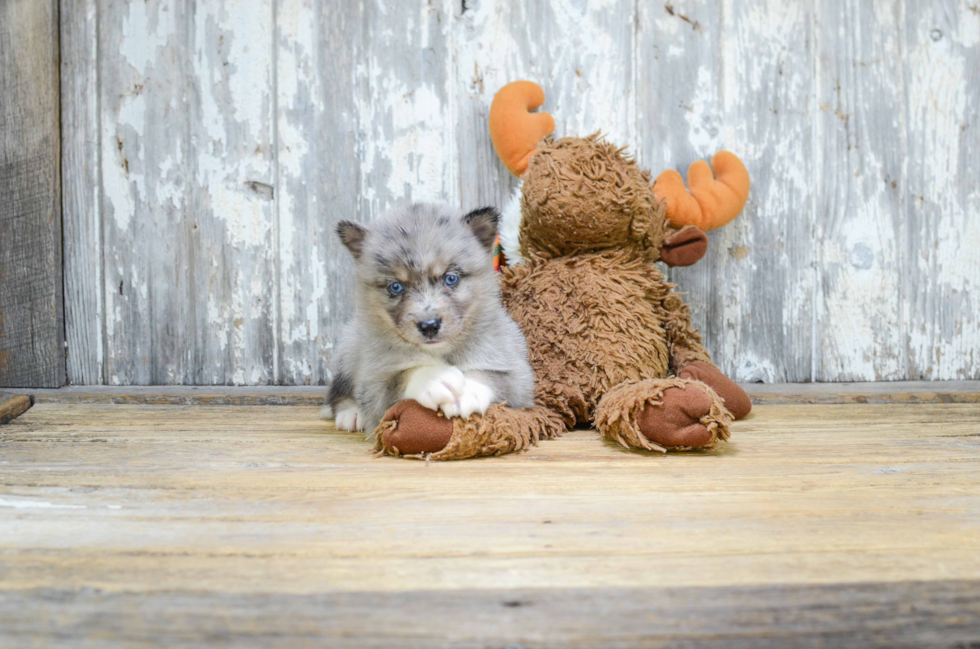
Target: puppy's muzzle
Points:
(430, 328)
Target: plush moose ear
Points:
(483, 222)
(352, 236)
(714, 195)
(514, 130)
(684, 247)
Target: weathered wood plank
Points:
(737, 76)
(407, 143)
(762, 394)
(581, 55)
(364, 121)
(82, 191)
(679, 117)
(31, 283)
(146, 168)
(225, 164)
(679, 108)
(229, 223)
(188, 179)
(263, 526)
(860, 332)
(318, 178)
(902, 614)
(941, 53)
(764, 333)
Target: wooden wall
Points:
(32, 351)
(209, 147)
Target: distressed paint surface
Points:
(210, 150)
(187, 168)
(942, 294)
(748, 89)
(230, 224)
(581, 53)
(309, 138)
(861, 211)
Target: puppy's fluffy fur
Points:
(428, 321)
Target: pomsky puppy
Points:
(428, 322)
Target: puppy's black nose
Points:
(429, 328)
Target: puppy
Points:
(428, 322)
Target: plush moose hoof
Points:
(676, 420)
(409, 428)
(736, 400)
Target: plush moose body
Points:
(610, 341)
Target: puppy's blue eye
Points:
(396, 288)
(451, 279)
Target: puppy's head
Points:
(424, 272)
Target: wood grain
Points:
(229, 219)
(158, 510)
(852, 261)
(187, 166)
(81, 192)
(317, 180)
(761, 394)
(861, 331)
(146, 164)
(903, 614)
(31, 317)
(581, 54)
(941, 45)
(748, 89)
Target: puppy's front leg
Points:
(434, 386)
(446, 388)
(475, 398)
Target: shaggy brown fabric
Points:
(657, 414)
(592, 321)
(685, 341)
(736, 400)
(411, 430)
(584, 194)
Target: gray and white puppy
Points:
(428, 322)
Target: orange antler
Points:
(713, 200)
(514, 129)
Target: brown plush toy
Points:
(610, 341)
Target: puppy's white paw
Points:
(475, 399)
(326, 412)
(435, 385)
(349, 419)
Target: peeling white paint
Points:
(942, 109)
(704, 136)
(145, 33)
(220, 140)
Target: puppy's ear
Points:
(352, 236)
(483, 222)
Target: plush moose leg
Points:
(661, 414)
(412, 430)
(736, 400)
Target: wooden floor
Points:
(146, 525)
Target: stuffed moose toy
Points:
(610, 342)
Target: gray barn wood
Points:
(31, 321)
(209, 150)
